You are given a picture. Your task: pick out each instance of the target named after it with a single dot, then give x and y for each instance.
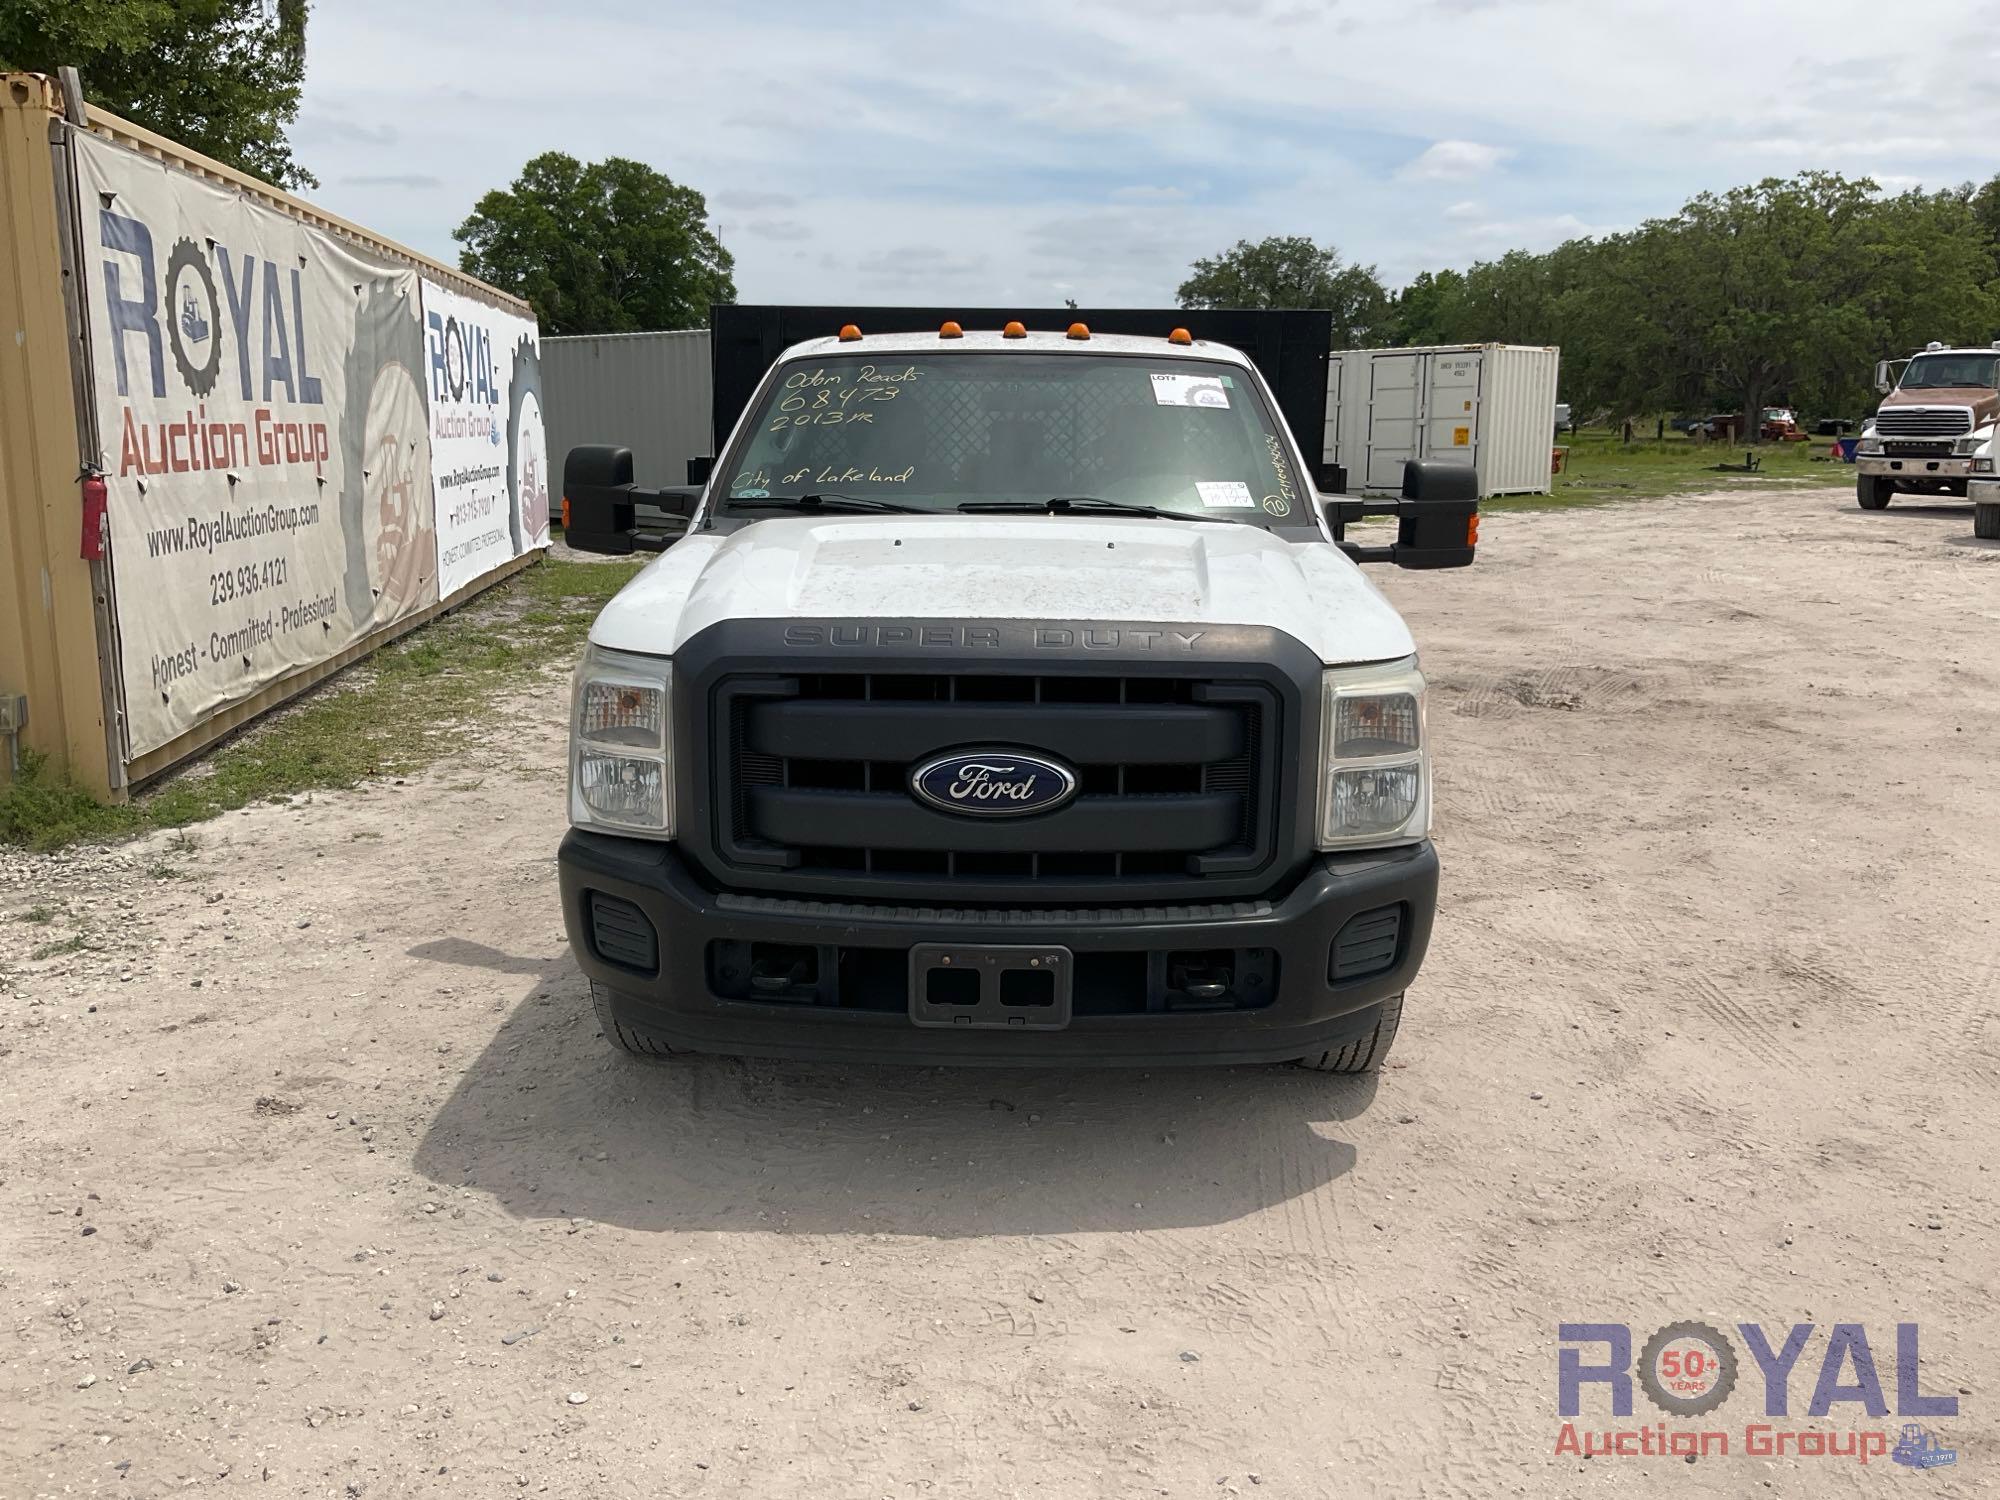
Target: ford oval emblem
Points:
(993, 783)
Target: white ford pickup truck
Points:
(1009, 697)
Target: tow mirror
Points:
(1438, 524)
(1882, 381)
(601, 504)
(1437, 517)
(1330, 478)
(700, 468)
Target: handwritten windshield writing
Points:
(827, 405)
(1279, 504)
(846, 474)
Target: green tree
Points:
(219, 76)
(1810, 279)
(1429, 310)
(1289, 270)
(1789, 290)
(600, 247)
(1984, 201)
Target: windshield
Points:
(934, 432)
(1936, 371)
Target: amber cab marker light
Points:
(951, 331)
(1180, 336)
(1013, 331)
(1078, 331)
(1472, 532)
(849, 333)
(565, 513)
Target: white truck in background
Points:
(1934, 432)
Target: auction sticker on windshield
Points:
(1176, 389)
(1224, 493)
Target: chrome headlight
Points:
(1970, 444)
(621, 765)
(1375, 774)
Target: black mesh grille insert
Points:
(1175, 781)
(621, 933)
(1367, 944)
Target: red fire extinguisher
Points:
(96, 507)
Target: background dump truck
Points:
(1937, 414)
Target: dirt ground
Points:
(318, 1180)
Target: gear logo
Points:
(195, 313)
(456, 374)
(1688, 1368)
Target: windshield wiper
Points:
(828, 500)
(1080, 505)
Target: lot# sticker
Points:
(482, 378)
(1230, 494)
(261, 426)
(1189, 390)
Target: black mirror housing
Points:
(600, 502)
(699, 469)
(1437, 525)
(1437, 518)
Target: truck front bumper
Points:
(1305, 979)
(1905, 467)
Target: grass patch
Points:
(1600, 469)
(394, 713)
(40, 915)
(56, 950)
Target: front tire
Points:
(1986, 522)
(1364, 1053)
(1874, 490)
(627, 1039)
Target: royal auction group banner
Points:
(266, 396)
(489, 458)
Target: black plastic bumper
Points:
(1305, 1010)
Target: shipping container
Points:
(650, 392)
(1490, 405)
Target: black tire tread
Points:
(1364, 1054)
(1986, 522)
(625, 1038)
(1872, 492)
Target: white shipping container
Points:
(1490, 405)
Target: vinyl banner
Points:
(260, 404)
(488, 451)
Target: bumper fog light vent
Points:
(621, 934)
(1367, 945)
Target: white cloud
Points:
(1095, 107)
(1455, 161)
(1106, 143)
(752, 201)
(1143, 193)
(779, 229)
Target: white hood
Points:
(1067, 568)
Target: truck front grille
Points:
(1177, 783)
(1923, 421)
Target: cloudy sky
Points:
(951, 151)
